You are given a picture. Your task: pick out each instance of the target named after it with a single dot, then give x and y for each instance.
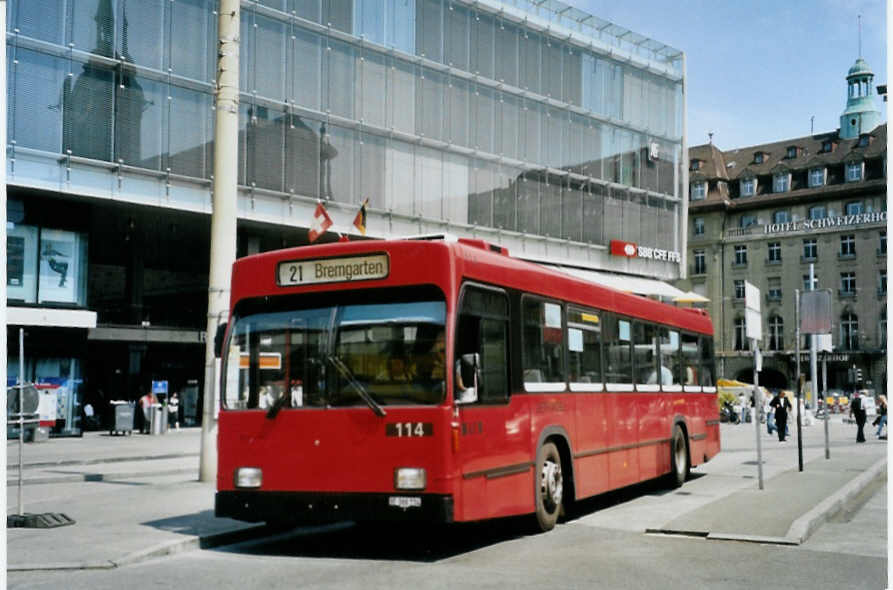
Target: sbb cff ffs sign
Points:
(633, 250)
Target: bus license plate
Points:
(404, 502)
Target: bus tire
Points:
(549, 487)
(679, 461)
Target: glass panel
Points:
(551, 69)
(265, 147)
(338, 14)
(455, 188)
(429, 29)
(543, 342)
(670, 370)
(371, 166)
(246, 50)
(618, 354)
(244, 123)
(35, 96)
(483, 34)
(594, 214)
(457, 112)
(399, 167)
(529, 203)
(308, 9)
(550, 206)
(592, 150)
(483, 113)
(531, 128)
(190, 146)
(307, 60)
(429, 104)
(428, 183)
(507, 131)
(480, 200)
(554, 128)
(572, 213)
(505, 197)
(573, 150)
(303, 160)
(269, 75)
(138, 126)
(690, 359)
(400, 26)
(338, 174)
(93, 26)
(142, 27)
(340, 82)
(39, 19)
(401, 96)
(506, 43)
(632, 97)
(370, 20)
(455, 38)
(494, 354)
(88, 112)
(706, 376)
(530, 45)
(584, 344)
(21, 263)
(572, 75)
(373, 104)
(193, 35)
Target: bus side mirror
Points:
(218, 340)
(468, 370)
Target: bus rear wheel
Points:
(679, 463)
(549, 487)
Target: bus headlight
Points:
(248, 477)
(409, 478)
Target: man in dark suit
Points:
(857, 408)
(782, 406)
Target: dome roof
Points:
(859, 68)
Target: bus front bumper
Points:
(314, 507)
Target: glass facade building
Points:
(526, 119)
(529, 124)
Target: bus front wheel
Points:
(549, 487)
(679, 463)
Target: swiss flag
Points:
(321, 222)
(621, 248)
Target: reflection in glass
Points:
(36, 100)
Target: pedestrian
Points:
(770, 417)
(881, 419)
(173, 409)
(146, 402)
(782, 406)
(857, 410)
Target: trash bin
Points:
(122, 417)
(158, 420)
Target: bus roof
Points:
(446, 263)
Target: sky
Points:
(759, 69)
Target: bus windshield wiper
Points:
(345, 372)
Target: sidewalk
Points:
(135, 498)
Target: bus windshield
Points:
(337, 355)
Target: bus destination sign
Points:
(332, 270)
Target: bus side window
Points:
(707, 362)
(483, 329)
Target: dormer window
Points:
(827, 146)
(793, 152)
(695, 165)
(748, 187)
(816, 176)
(698, 191)
(758, 157)
(864, 140)
(854, 171)
(781, 182)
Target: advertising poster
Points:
(58, 266)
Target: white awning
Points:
(627, 283)
(50, 317)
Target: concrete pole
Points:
(813, 358)
(223, 217)
(3, 354)
(757, 404)
(797, 377)
(824, 396)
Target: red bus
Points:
(444, 380)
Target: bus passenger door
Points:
(494, 476)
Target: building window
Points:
(781, 217)
(739, 288)
(848, 245)
(827, 146)
(695, 165)
(699, 226)
(774, 291)
(781, 183)
(740, 255)
(816, 177)
(747, 221)
(810, 249)
(792, 152)
(818, 212)
(740, 334)
(882, 282)
(698, 191)
(748, 187)
(882, 247)
(854, 208)
(774, 251)
(700, 262)
(46, 266)
(776, 333)
(810, 285)
(847, 284)
(853, 171)
(864, 140)
(849, 331)
(758, 158)
(882, 329)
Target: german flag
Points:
(359, 221)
